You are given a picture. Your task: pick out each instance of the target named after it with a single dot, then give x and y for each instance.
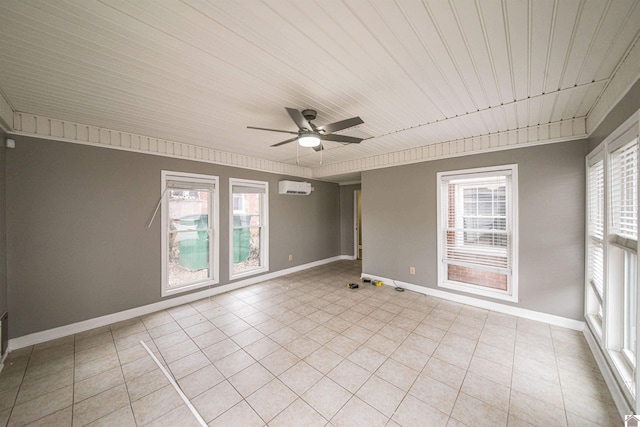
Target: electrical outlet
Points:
(290, 257)
(412, 270)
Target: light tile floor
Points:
(304, 350)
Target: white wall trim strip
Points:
(550, 133)
(488, 305)
(609, 378)
(59, 130)
(184, 398)
(86, 325)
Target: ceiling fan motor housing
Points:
(309, 114)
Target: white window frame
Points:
(594, 294)
(214, 241)
(264, 223)
(629, 344)
(609, 328)
(511, 294)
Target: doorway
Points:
(357, 224)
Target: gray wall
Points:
(629, 104)
(3, 226)
(399, 211)
(78, 242)
(346, 218)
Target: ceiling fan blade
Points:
(273, 130)
(298, 119)
(342, 124)
(341, 138)
(285, 142)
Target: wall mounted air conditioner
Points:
(294, 188)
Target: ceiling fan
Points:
(310, 135)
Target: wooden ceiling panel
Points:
(474, 34)
(492, 13)
(606, 33)
(565, 18)
(541, 17)
(518, 30)
(590, 14)
(419, 73)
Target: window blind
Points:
(245, 189)
(190, 185)
(596, 200)
(624, 195)
(596, 224)
(477, 231)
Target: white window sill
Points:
(624, 373)
(596, 325)
(166, 292)
(248, 273)
(479, 290)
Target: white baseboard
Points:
(86, 325)
(609, 377)
(488, 305)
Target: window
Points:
(238, 203)
(623, 241)
(189, 231)
(611, 253)
(248, 240)
(595, 240)
(477, 237)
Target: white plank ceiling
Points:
(417, 72)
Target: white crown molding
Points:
(487, 305)
(86, 325)
(6, 114)
(625, 76)
(59, 130)
(566, 130)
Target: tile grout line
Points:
(176, 387)
(416, 378)
(387, 358)
(562, 392)
(124, 380)
(24, 374)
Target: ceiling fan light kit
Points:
(308, 139)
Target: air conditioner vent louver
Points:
(294, 188)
